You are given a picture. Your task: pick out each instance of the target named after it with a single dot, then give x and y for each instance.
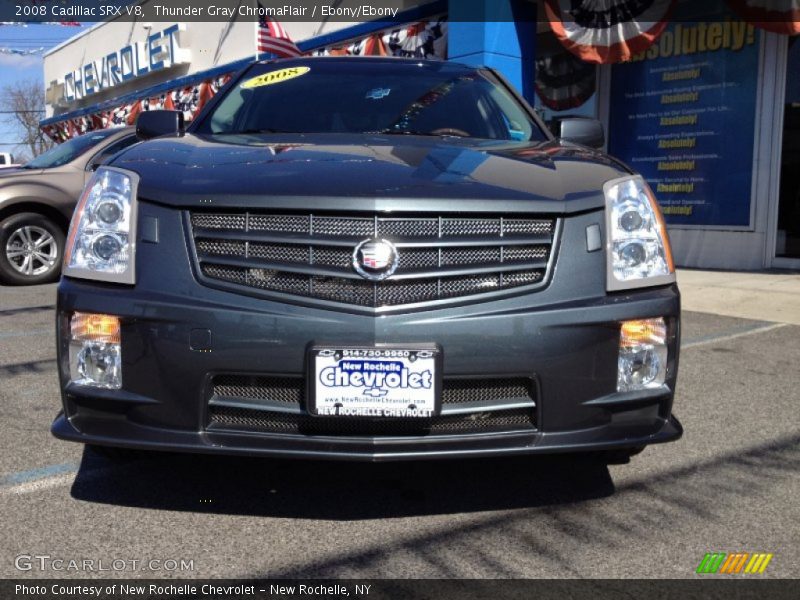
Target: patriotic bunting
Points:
(189, 100)
(563, 81)
(374, 46)
(426, 39)
(610, 31)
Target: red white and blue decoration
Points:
(190, 100)
(425, 39)
(272, 37)
(608, 31)
(563, 81)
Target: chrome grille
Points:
(310, 256)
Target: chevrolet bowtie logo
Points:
(375, 392)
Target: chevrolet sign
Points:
(159, 51)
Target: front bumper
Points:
(178, 335)
(569, 352)
(112, 432)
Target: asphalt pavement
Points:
(730, 485)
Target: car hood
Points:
(368, 172)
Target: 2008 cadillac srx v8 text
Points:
(369, 259)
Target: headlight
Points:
(638, 249)
(102, 236)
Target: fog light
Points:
(95, 355)
(642, 360)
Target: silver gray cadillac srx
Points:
(367, 259)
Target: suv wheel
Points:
(31, 249)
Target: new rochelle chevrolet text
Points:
(367, 259)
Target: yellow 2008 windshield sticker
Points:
(274, 77)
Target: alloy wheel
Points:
(32, 251)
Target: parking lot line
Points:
(38, 485)
(733, 335)
(37, 479)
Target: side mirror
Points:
(588, 132)
(154, 123)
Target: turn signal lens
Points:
(642, 360)
(89, 327)
(646, 331)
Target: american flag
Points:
(272, 37)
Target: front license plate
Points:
(381, 382)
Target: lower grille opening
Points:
(266, 399)
(248, 420)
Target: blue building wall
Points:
(504, 38)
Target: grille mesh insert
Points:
(276, 389)
(292, 389)
(311, 256)
(274, 422)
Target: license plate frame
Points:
(431, 354)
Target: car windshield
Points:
(68, 151)
(371, 96)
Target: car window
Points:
(69, 150)
(110, 150)
(368, 97)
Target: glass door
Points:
(787, 241)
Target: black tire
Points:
(22, 262)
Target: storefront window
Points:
(788, 238)
(683, 114)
